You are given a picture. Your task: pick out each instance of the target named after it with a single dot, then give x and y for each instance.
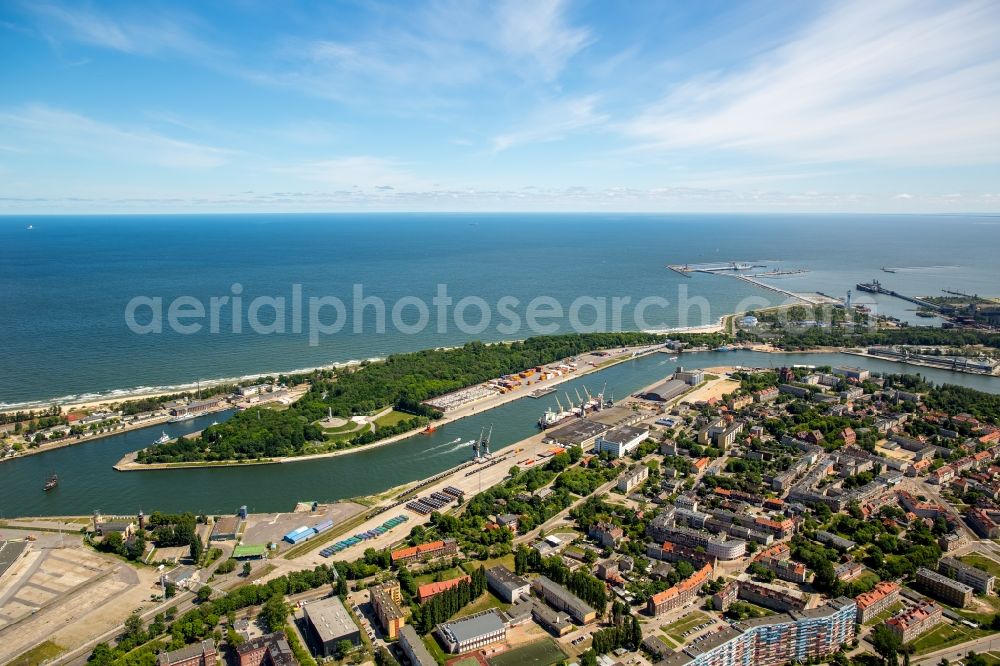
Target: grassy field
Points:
(674, 630)
(869, 577)
(391, 418)
(506, 560)
(945, 635)
(435, 649)
(540, 653)
(485, 602)
(980, 616)
(982, 562)
(886, 614)
(38, 654)
(446, 574)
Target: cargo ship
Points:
(552, 418)
(51, 483)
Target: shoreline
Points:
(111, 396)
(128, 464)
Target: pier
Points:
(875, 287)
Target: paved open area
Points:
(264, 528)
(62, 591)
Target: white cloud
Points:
(538, 30)
(889, 81)
(422, 57)
(40, 129)
(553, 121)
(125, 30)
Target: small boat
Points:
(887, 270)
(215, 423)
(673, 358)
(30, 227)
(162, 439)
(51, 483)
(429, 429)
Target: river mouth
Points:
(87, 481)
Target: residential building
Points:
(506, 584)
(877, 600)
(979, 580)
(915, 620)
(944, 588)
(775, 640)
(473, 632)
(414, 649)
(724, 598)
(428, 590)
(329, 623)
(830, 539)
(985, 523)
(680, 594)
(716, 546)
(196, 654)
(268, 650)
(606, 534)
(425, 551)
(771, 596)
(387, 602)
(633, 478)
(562, 599)
(621, 441)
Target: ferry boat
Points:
(186, 416)
(162, 439)
(51, 483)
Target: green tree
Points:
(886, 644)
(204, 593)
(133, 627)
(196, 548)
(588, 658)
(274, 612)
(246, 569)
(344, 648)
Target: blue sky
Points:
(522, 105)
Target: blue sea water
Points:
(65, 284)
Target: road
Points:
(957, 652)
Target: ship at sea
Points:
(162, 439)
(51, 483)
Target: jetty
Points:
(875, 287)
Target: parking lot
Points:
(263, 528)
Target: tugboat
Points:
(51, 483)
